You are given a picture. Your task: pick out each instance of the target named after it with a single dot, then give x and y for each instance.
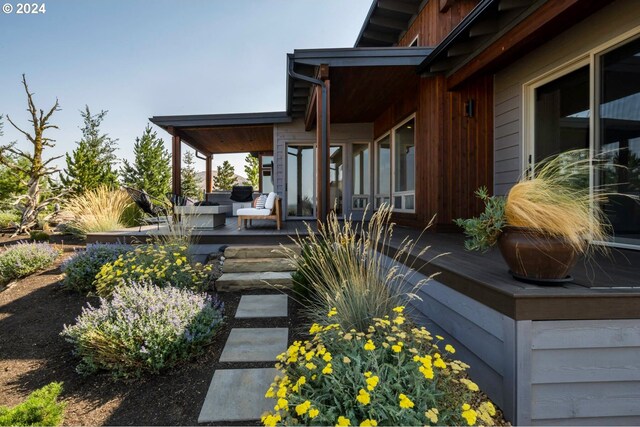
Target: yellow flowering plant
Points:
(391, 374)
(160, 264)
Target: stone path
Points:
(238, 394)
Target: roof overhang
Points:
(363, 80)
(224, 133)
(497, 32)
(387, 21)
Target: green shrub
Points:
(161, 265)
(342, 269)
(143, 329)
(39, 236)
(392, 374)
(81, 270)
(483, 231)
(23, 259)
(40, 409)
(8, 219)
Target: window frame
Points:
(591, 58)
(376, 169)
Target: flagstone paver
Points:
(262, 306)
(255, 344)
(237, 395)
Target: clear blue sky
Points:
(140, 58)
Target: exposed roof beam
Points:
(444, 65)
(395, 24)
(461, 48)
(513, 4)
(383, 37)
(398, 6)
(484, 28)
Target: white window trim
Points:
(376, 171)
(590, 59)
(415, 40)
(354, 196)
(393, 167)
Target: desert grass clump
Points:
(102, 209)
(351, 272)
(557, 201)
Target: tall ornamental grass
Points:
(557, 201)
(143, 329)
(347, 267)
(23, 259)
(102, 209)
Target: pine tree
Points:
(151, 168)
(225, 178)
(91, 165)
(190, 185)
(252, 170)
(37, 172)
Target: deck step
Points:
(245, 265)
(229, 282)
(261, 251)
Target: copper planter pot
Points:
(535, 257)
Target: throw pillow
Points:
(261, 200)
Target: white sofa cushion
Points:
(253, 212)
(271, 200)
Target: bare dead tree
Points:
(37, 170)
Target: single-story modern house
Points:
(438, 98)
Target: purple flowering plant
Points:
(143, 329)
(23, 259)
(81, 270)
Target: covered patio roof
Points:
(224, 133)
(363, 80)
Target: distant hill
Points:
(201, 178)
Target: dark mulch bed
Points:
(32, 354)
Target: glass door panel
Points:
(361, 177)
(405, 167)
(336, 178)
(619, 139)
(266, 174)
(300, 181)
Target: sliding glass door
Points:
(301, 201)
(602, 93)
(361, 176)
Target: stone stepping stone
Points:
(239, 281)
(262, 306)
(237, 395)
(250, 265)
(255, 344)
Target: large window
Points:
(361, 177)
(404, 172)
(602, 92)
(395, 173)
(383, 170)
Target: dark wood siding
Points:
(432, 26)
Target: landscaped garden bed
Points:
(33, 311)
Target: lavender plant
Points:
(81, 270)
(143, 329)
(23, 259)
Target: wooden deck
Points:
(603, 287)
(261, 233)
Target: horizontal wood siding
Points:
(432, 26)
(585, 372)
(613, 20)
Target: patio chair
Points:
(146, 203)
(272, 211)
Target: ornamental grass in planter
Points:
(545, 222)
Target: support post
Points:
(176, 160)
(208, 175)
(323, 120)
